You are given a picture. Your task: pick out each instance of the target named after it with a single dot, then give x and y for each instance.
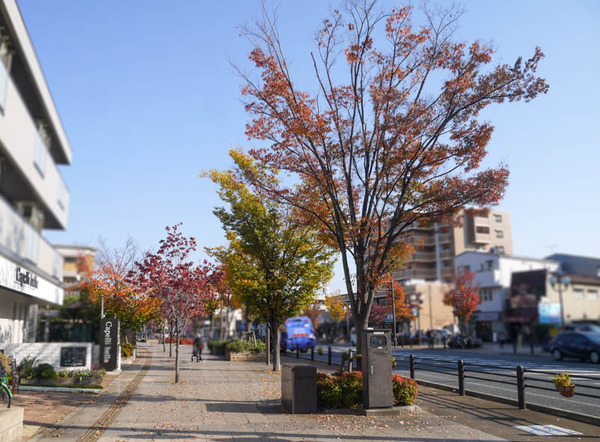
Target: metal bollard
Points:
(329, 355)
(312, 353)
(411, 365)
(521, 386)
(350, 361)
(461, 377)
(297, 352)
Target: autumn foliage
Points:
(391, 137)
(463, 298)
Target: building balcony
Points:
(29, 171)
(423, 257)
(482, 238)
(21, 243)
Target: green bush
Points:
(26, 367)
(82, 374)
(329, 391)
(45, 371)
(405, 390)
(127, 350)
(346, 390)
(235, 346)
(352, 388)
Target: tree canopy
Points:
(391, 137)
(275, 264)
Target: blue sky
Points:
(149, 100)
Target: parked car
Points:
(582, 328)
(585, 346)
(464, 341)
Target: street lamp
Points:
(560, 282)
(416, 300)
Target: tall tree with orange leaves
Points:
(110, 287)
(463, 298)
(391, 137)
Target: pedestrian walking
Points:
(198, 347)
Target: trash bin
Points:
(299, 389)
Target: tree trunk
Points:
(275, 333)
(361, 322)
(163, 336)
(170, 339)
(177, 352)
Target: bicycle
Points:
(5, 393)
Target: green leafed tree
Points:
(274, 263)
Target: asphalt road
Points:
(494, 373)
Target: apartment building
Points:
(436, 245)
(33, 194)
(72, 273)
(494, 274)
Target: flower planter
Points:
(57, 382)
(567, 390)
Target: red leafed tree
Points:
(391, 137)
(182, 287)
(377, 316)
(463, 298)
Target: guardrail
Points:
(460, 373)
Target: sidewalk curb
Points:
(580, 417)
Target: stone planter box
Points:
(246, 356)
(129, 360)
(61, 381)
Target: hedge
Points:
(346, 390)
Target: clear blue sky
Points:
(149, 100)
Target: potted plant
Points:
(563, 383)
(393, 362)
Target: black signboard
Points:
(73, 356)
(109, 343)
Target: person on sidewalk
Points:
(198, 346)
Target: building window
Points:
(497, 218)
(500, 250)
(499, 234)
(593, 295)
(485, 295)
(489, 264)
(3, 83)
(39, 159)
(578, 293)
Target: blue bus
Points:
(299, 334)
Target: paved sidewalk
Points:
(222, 400)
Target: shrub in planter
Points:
(26, 367)
(235, 346)
(405, 390)
(127, 350)
(352, 388)
(346, 390)
(45, 371)
(329, 391)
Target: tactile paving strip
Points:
(109, 416)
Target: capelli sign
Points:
(26, 278)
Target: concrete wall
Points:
(11, 424)
(48, 352)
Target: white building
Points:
(493, 275)
(33, 194)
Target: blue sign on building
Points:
(549, 313)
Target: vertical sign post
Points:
(109, 344)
